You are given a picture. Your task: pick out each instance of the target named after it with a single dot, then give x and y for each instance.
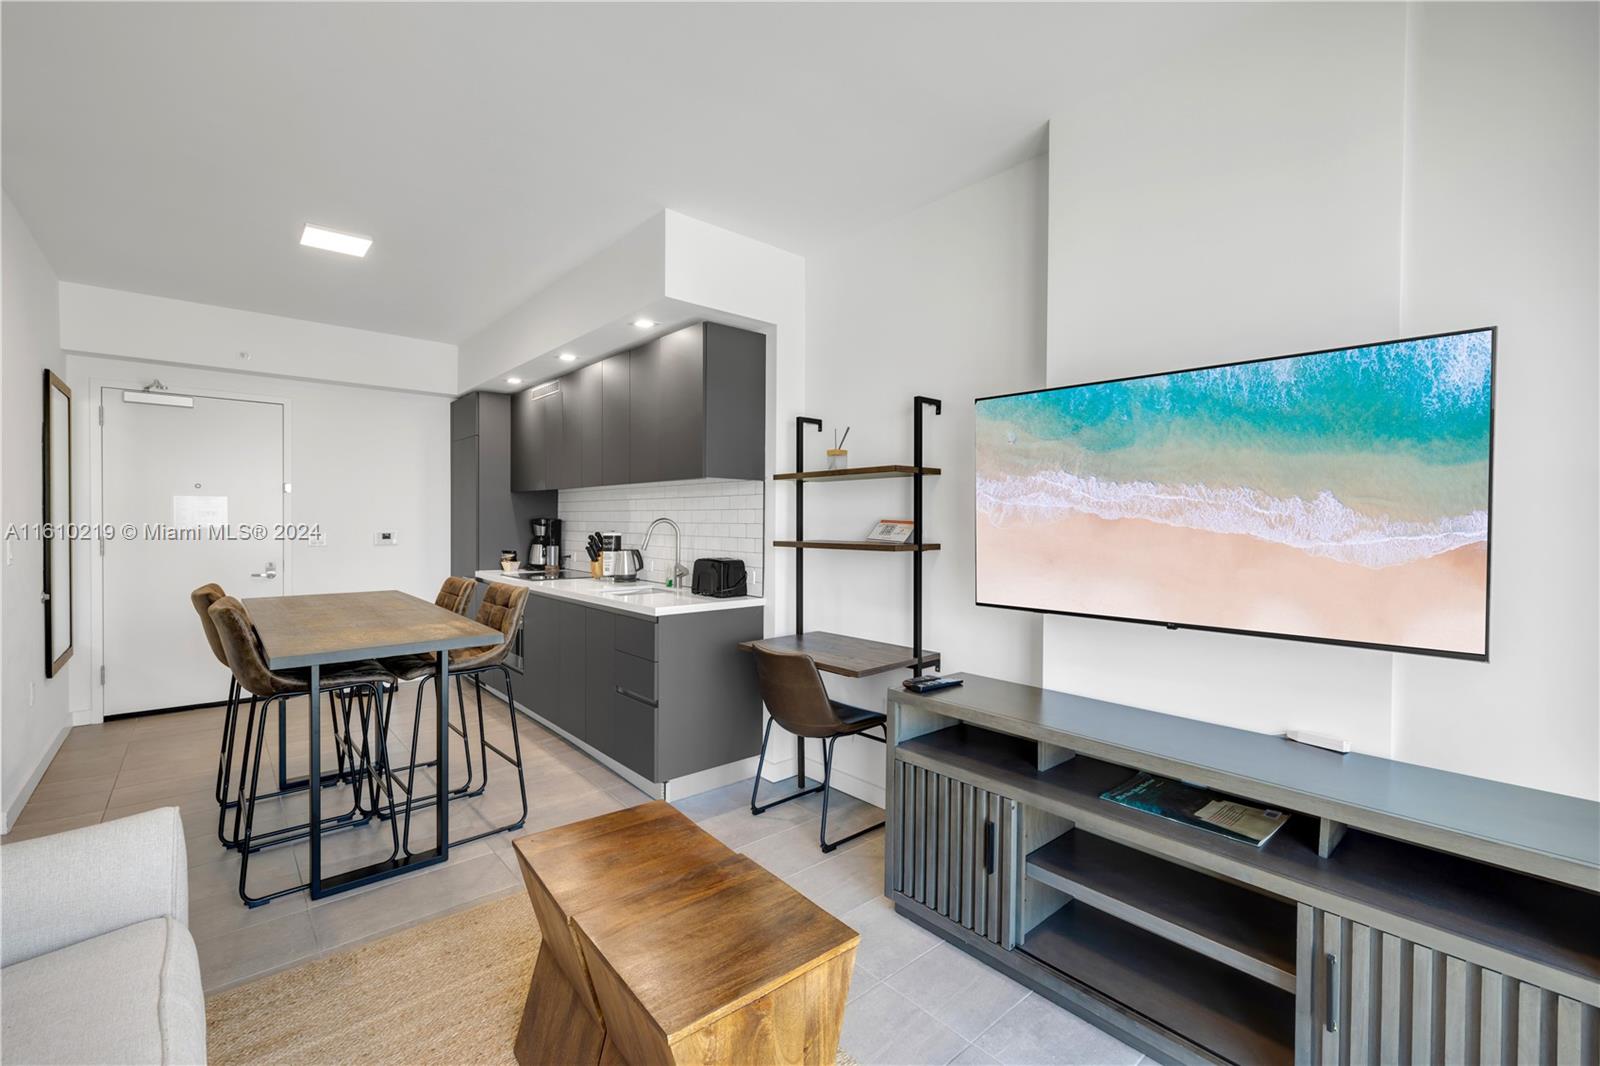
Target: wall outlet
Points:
(382, 539)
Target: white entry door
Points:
(195, 484)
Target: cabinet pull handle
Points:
(635, 697)
(988, 847)
(1333, 993)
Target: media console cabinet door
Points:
(1364, 996)
(951, 854)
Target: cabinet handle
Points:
(988, 847)
(635, 697)
(1333, 993)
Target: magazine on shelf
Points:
(1199, 807)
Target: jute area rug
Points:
(448, 991)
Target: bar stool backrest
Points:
(242, 651)
(455, 594)
(202, 598)
(792, 689)
(501, 609)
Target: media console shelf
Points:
(1402, 915)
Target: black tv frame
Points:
(1488, 568)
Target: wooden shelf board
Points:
(853, 545)
(847, 656)
(1246, 930)
(1222, 1010)
(1520, 915)
(860, 473)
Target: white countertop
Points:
(629, 597)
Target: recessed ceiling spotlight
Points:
(513, 381)
(567, 357)
(643, 323)
(334, 241)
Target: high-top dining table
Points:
(310, 632)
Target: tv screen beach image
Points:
(1339, 496)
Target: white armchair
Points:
(98, 964)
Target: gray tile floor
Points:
(914, 999)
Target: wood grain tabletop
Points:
(337, 627)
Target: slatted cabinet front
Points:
(1368, 996)
(950, 846)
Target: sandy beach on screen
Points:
(1133, 568)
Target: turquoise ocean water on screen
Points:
(1376, 455)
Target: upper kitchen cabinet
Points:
(697, 405)
(537, 440)
(582, 418)
(691, 404)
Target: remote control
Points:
(929, 683)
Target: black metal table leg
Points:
(314, 774)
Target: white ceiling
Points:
(176, 149)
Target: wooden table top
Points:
(693, 929)
(835, 653)
(343, 626)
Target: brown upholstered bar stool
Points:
(792, 689)
(455, 595)
(501, 609)
(202, 598)
(363, 684)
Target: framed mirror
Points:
(58, 522)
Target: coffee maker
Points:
(544, 549)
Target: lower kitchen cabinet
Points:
(664, 697)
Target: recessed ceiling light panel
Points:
(334, 241)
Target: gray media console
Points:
(1402, 915)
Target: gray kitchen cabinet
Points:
(644, 413)
(581, 429)
(572, 679)
(614, 429)
(662, 697)
(486, 515)
(537, 446)
(681, 403)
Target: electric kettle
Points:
(624, 564)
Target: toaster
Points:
(719, 577)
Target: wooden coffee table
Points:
(660, 944)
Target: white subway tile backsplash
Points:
(717, 518)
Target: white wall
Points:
(1502, 168)
(1361, 172)
(1240, 200)
(31, 727)
(135, 326)
(361, 460)
(948, 302)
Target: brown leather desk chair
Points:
(360, 682)
(792, 689)
(501, 609)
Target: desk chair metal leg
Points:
(756, 787)
(827, 780)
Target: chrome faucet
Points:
(679, 571)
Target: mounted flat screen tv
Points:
(1338, 496)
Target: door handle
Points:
(635, 697)
(1333, 993)
(269, 573)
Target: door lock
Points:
(270, 572)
